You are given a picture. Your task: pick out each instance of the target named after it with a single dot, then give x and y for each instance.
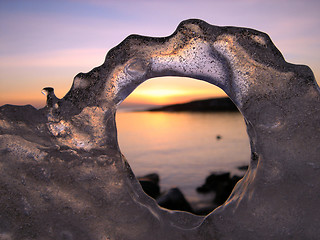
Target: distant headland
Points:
(207, 105)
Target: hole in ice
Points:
(182, 148)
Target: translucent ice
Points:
(64, 177)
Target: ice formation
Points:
(64, 177)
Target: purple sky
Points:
(46, 43)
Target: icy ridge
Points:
(64, 177)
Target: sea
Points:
(183, 147)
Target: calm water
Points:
(183, 147)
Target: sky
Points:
(47, 42)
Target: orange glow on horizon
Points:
(22, 98)
(172, 90)
(165, 97)
(156, 91)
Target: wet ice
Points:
(64, 177)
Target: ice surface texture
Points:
(64, 177)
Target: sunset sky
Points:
(47, 42)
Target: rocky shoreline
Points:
(218, 183)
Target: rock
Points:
(153, 177)
(243, 168)
(174, 200)
(221, 184)
(213, 182)
(150, 184)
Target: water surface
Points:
(183, 148)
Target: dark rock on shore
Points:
(208, 105)
(213, 182)
(220, 183)
(243, 168)
(174, 200)
(150, 184)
